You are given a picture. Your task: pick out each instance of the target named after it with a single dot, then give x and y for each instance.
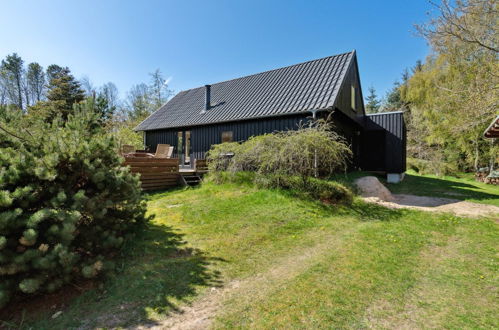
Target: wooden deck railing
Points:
(155, 173)
(201, 166)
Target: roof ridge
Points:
(267, 71)
(290, 89)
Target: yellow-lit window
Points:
(227, 136)
(352, 100)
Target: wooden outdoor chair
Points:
(163, 151)
(170, 152)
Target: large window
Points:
(227, 136)
(352, 100)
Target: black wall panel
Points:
(392, 145)
(202, 137)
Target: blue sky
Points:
(201, 42)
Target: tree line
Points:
(52, 92)
(451, 97)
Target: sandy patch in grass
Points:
(373, 191)
(436, 204)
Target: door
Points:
(184, 149)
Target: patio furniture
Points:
(164, 151)
(139, 155)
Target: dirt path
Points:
(202, 312)
(435, 204)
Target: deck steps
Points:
(191, 179)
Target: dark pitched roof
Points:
(493, 130)
(292, 89)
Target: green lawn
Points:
(462, 188)
(291, 263)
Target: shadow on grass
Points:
(154, 275)
(374, 212)
(153, 195)
(362, 210)
(435, 187)
(159, 272)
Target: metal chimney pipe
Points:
(207, 104)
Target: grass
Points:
(297, 264)
(463, 187)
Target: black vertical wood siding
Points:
(202, 137)
(384, 136)
(344, 98)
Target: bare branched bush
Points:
(315, 150)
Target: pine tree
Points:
(159, 89)
(35, 78)
(103, 108)
(417, 67)
(64, 91)
(373, 103)
(52, 71)
(109, 92)
(13, 73)
(393, 100)
(140, 102)
(66, 202)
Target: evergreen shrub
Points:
(67, 204)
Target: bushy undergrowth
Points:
(66, 203)
(287, 160)
(434, 167)
(310, 151)
(326, 191)
(309, 187)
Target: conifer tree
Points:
(393, 100)
(35, 81)
(13, 72)
(63, 92)
(373, 103)
(66, 202)
(52, 71)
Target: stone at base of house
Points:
(394, 177)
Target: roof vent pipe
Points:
(207, 104)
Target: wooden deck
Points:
(155, 173)
(187, 170)
(162, 173)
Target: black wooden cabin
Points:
(277, 100)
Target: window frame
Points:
(353, 98)
(227, 136)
